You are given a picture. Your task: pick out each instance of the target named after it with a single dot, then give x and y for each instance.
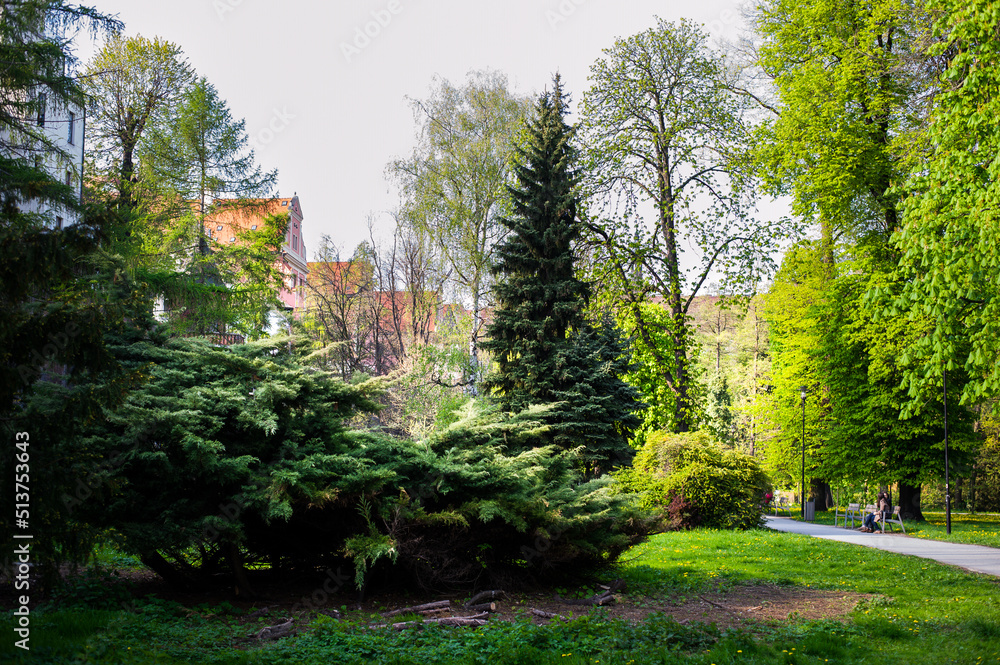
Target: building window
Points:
(41, 109)
(284, 203)
(72, 126)
(233, 239)
(59, 222)
(219, 227)
(294, 284)
(295, 243)
(253, 228)
(69, 178)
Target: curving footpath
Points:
(976, 558)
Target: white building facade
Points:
(57, 149)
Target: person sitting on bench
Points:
(881, 508)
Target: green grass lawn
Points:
(973, 529)
(923, 613)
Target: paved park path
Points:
(973, 557)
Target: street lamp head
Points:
(803, 391)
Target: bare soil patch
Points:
(736, 606)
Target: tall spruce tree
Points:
(546, 352)
(61, 289)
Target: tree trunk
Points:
(155, 562)
(682, 409)
(909, 502)
(972, 490)
(473, 387)
(127, 173)
(484, 595)
(419, 609)
(240, 581)
(821, 493)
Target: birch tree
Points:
(454, 184)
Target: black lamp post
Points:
(802, 394)
(947, 489)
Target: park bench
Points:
(782, 504)
(893, 519)
(852, 513)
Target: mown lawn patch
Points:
(892, 609)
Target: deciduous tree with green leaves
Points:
(949, 242)
(135, 85)
(853, 84)
(791, 309)
(454, 184)
(869, 435)
(849, 81)
(665, 140)
(831, 336)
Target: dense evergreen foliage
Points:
(61, 291)
(231, 457)
(545, 351)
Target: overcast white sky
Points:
(328, 109)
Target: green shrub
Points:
(229, 458)
(692, 480)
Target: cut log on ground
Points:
(616, 586)
(474, 620)
(274, 632)
(603, 598)
(482, 596)
(545, 615)
(482, 607)
(420, 609)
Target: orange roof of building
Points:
(244, 217)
